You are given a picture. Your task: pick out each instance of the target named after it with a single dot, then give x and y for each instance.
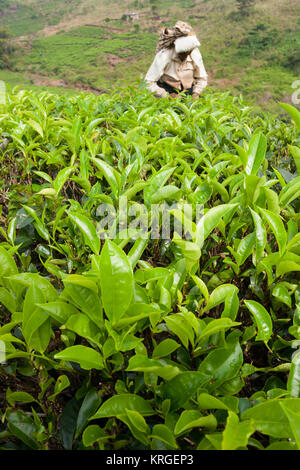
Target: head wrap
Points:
(168, 36)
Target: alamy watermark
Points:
(296, 94)
(2, 92)
(155, 221)
(2, 353)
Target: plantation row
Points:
(132, 342)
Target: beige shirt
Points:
(168, 68)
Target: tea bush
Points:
(132, 343)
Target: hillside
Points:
(87, 44)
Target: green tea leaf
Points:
(116, 281)
(163, 434)
(144, 364)
(236, 434)
(269, 417)
(293, 384)
(190, 419)
(187, 384)
(92, 434)
(256, 154)
(277, 227)
(87, 358)
(165, 348)
(61, 384)
(88, 230)
(118, 404)
(24, 428)
(262, 320)
(211, 220)
(293, 112)
(88, 407)
(222, 364)
(294, 421)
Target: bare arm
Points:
(200, 75)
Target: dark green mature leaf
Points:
(183, 387)
(24, 428)
(84, 294)
(88, 407)
(39, 226)
(67, 423)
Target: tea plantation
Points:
(138, 342)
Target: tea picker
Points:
(178, 64)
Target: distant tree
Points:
(259, 38)
(6, 49)
(245, 6)
(3, 4)
(4, 32)
(154, 5)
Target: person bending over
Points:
(178, 64)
